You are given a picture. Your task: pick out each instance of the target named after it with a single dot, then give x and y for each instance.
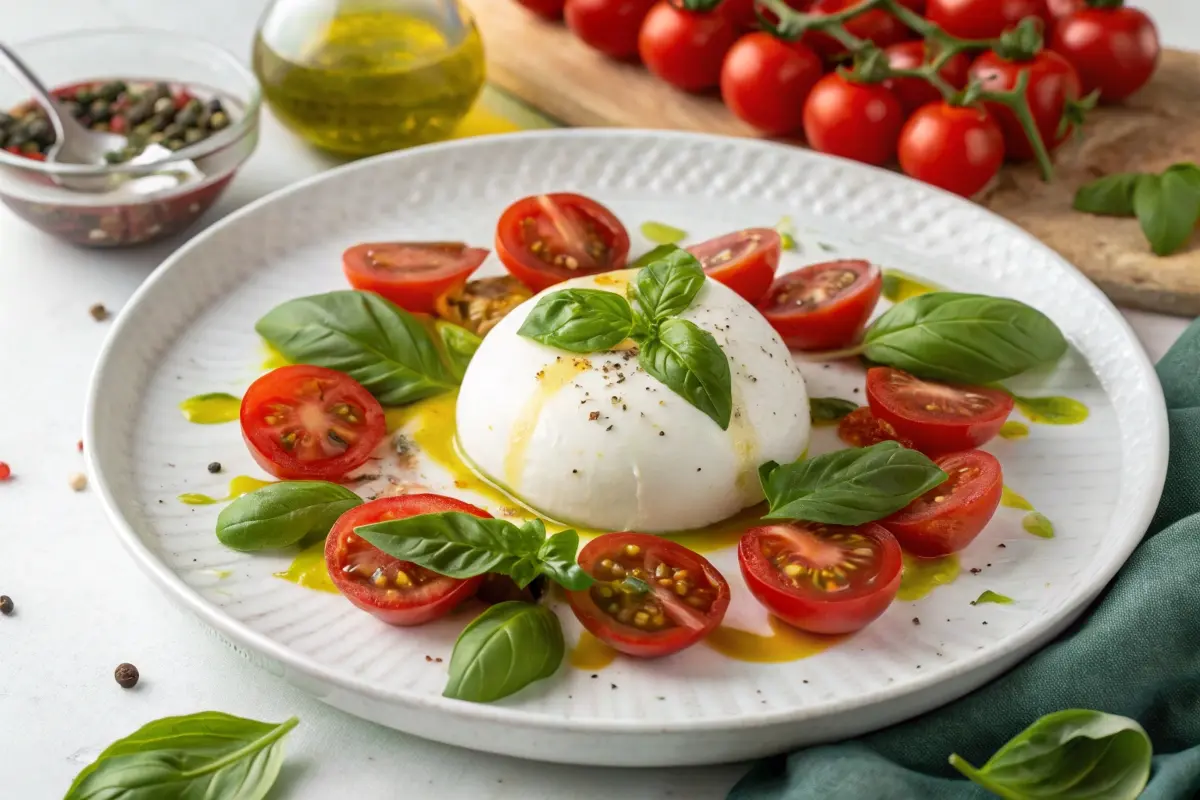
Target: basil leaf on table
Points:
(503, 650)
(848, 487)
(1080, 754)
(377, 343)
(1111, 195)
(667, 286)
(963, 338)
(691, 363)
(1167, 206)
(579, 320)
(828, 410)
(209, 754)
(459, 346)
(283, 514)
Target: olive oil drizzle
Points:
(783, 645)
(242, 484)
(213, 408)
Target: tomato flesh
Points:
(860, 428)
(411, 274)
(823, 306)
(947, 518)
(547, 239)
(936, 417)
(397, 592)
(479, 304)
(745, 261)
(827, 579)
(688, 597)
(310, 423)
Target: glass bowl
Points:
(109, 205)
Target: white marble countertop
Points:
(82, 606)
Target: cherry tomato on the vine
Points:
(915, 92)
(1052, 83)
(610, 26)
(765, 81)
(876, 26)
(685, 48)
(955, 148)
(983, 19)
(855, 120)
(547, 9)
(1114, 50)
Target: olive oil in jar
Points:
(359, 77)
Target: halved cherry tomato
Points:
(947, 518)
(411, 274)
(685, 48)
(915, 92)
(310, 423)
(610, 26)
(1114, 50)
(687, 597)
(479, 304)
(855, 120)
(547, 9)
(395, 591)
(956, 148)
(1052, 83)
(983, 19)
(860, 428)
(765, 81)
(745, 261)
(821, 578)
(936, 417)
(823, 306)
(876, 26)
(549, 238)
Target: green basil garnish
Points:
(209, 754)
(691, 363)
(848, 487)
(1111, 195)
(503, 650)
(377, 343)
(283, 514)
(656, 254)
(458, 346)
(579, 320)
(1081, 754)
(1167, 207)
(462, 545)
(828, 410)
(963, 338)
(668, 286)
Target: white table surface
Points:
(82, 606)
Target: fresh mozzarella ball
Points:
(595, 442)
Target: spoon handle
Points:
(17, 67)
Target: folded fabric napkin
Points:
(1135, 653)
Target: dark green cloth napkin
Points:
(1135, 652)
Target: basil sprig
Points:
(372, 340)
(283, 514)
(503, 650)
(458, 346)
(462, 545)
(848, 487)
(963, 338)
(1081, 754)
(675, 351)
(1166, 204)
(828, 410)
(209, 754)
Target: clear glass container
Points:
(360, 77)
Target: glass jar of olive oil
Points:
(360, 77)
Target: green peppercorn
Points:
(83, 97)
(162, 89)
(193, 135)
(218, 120)
(143, 130)
(114, 156)
(188, 116)
(164, 104)
(173, 144)
(155, 138)
(160, 122)
(173, 131)
(40, 131)
(100, 111)
(111, 91)
(140, 111)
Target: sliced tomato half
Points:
(946, 519)
(685, 597)
(395, 591)
(411, 274)
(821, 578)
(548, 238)
(823, 306)
(745, 261)
(936, 417)
(860, 428)
(310, 423)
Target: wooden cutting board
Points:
(544, 65)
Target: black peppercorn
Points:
(214, 467)
(6, 605)
(126, 675)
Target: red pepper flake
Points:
(5, 471)
(79, 445)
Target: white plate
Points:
(189, 330)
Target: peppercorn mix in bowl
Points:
(192, 100)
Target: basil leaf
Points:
(454, 543)
(1111, 195)
(667, 286)
(458, 346)
(691, 364)
(1167, 206)
(558, 561)
(963, 338)
(209, 754)
(1081, 754)
(828, 410)
(653, 255)
(848, 487)
(1189, 172)
(579, 320)
(283, 514)
(380, 345)
(503, 650)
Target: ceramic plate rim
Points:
(243, 635)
